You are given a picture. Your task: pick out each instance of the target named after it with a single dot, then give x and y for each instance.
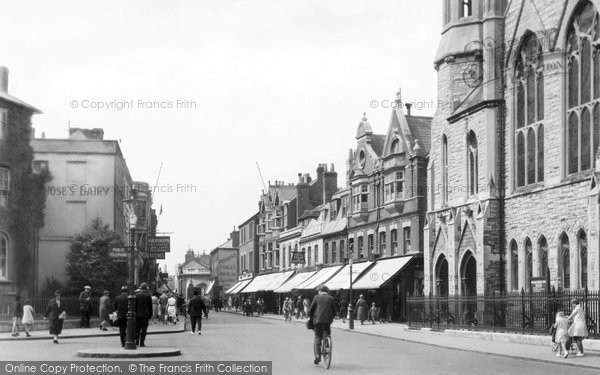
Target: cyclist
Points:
(322, 311)
(287, 309)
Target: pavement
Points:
(509, 345)
(71, 333)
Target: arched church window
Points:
(529, 131)
(583, 89)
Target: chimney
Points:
(408, 105)
(4, 79)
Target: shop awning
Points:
(322, 276)
(230, 290)
(268, 282)
(239, 286)
(382, 271)
(342, 279)
(293, 282)
(211, 283)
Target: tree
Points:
(88, 261)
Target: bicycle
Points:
(327, 349)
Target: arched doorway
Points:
(469, 275)
(441, 276)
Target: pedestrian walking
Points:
(155, 308)
(143, 313)
(306, 305)
(85, 305)
(120, 306)
(578, 330)
(561, 327)
(361, 309)
(17, 315)
(299, 307)
(374, 313)
(343, 308)
(162, 300)
(104, 311)
(196, 307)
(55, 314)
(172, 309)
(28, 312)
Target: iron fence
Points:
(39, 304)
(525, 312)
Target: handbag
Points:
(310, 324)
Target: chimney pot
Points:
(408, 105)
(4, 79)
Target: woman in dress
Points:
(27, 316)
(172, 308)
(361, 309)
(578, 330)
(55, 314)
(104, 310)
(154, 307)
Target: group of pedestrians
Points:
(569, 330)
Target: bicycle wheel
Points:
(327, 350)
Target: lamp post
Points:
(350, 302)
(131, 330)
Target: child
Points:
(561, 337)
(27, 316)
(374, 313)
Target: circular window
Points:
(362, 158)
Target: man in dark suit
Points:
(196, 307)
(322, 311)
(143, 313)
(120, 306)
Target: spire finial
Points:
(364, 116)
(399, 96)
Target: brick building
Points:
(513, 178)
(21, 194)
(387, 205)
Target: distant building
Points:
(19, 217)
(194, 273)
(248, 248)
(281, 208)
(90, 179)
(224, 266)
(145, 227)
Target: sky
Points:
(208, 89)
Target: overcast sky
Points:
(282, 83)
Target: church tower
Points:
(463, 226)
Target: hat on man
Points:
(144, 286)
(57, 293)
(123, 289)
(87, 287)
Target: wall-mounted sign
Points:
(298, 257)
(159, 244)
(156, 255)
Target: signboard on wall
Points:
(538, 284)
(298, 257)
(159, 244)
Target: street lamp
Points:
(131, 330)
(350, 304)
